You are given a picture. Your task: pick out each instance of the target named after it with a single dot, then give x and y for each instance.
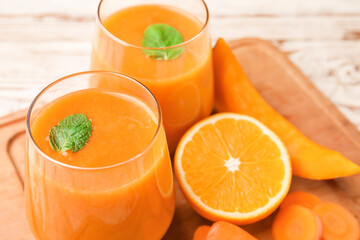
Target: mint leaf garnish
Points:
(162, 35)
(72, 133)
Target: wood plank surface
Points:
(284, 86)
(12, 210)
(42, 40)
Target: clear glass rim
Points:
(31, 138)
(103, 28)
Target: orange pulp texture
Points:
(183, 86)
(134, 200)
(232, 168)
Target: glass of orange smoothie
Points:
(97, 161)
(165, 44)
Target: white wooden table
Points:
(42, 40)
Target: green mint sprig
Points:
(71, 133)
(162, 35)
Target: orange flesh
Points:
(183, 86)
(235, 93)
(296, 223)
(231, 168)
(304, 199)
(131, 201)
(338, 222)
(262, 159)
(223, 230)
(201, 232)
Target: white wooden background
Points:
(42, 40)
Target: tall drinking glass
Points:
(120, 184)
(182, 79)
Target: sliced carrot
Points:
(296, 223)
(304, 199)
(338, 222)
(224, 230)
(201, 232)
(235, 93)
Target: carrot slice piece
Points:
(201, 232)
(338, 222)
(224, 230)
(304, 199)
(235, 93)
(296, 223)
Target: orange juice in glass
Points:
(97, 164)
(165, 44)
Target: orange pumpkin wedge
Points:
(235, 93)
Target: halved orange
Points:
(232, 168)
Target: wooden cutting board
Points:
(279, 82)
